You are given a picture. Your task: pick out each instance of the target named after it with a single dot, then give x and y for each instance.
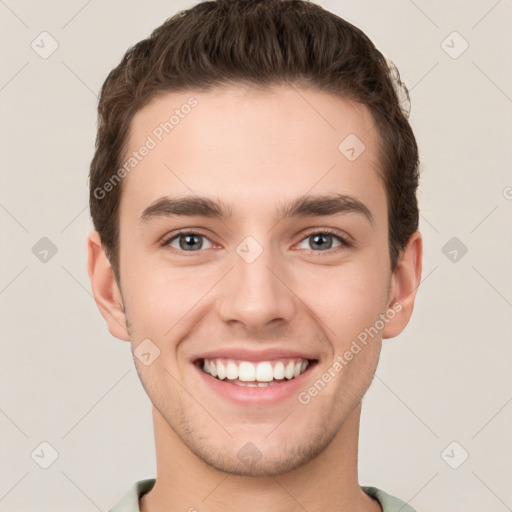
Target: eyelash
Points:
(345, 243)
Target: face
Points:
(267, 275)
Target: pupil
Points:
(190, 241)
(318, 240)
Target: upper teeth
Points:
(264, 371)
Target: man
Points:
(253, 198)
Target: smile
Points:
(261, 382)
(261, 374)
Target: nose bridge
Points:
(255, 293)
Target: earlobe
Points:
(104, 288)
(405, 282)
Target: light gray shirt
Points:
(130, 501)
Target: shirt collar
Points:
(130, 501)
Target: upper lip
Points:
(245, 354)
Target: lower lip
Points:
(254, 395)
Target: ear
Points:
(404, 284)
(104, 288)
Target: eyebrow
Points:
(305, 206)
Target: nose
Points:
(257, 293)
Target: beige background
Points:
(66, 381)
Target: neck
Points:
(328, 482)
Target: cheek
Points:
(161, 297)
(347, 298)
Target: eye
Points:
(318, 241)
(323, 240)
(187, 241)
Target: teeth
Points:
(255, 384)
(221, 370)
(278, 370)
(246, 372)
(231, 370)
(262, 374)
(288, 372)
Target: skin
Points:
(255, 149)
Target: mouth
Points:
(255, 382)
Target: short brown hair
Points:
(259, 43)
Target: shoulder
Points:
(130, 500)
(387, 502)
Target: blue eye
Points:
(324, 241)
(318, 241)
(187, 241)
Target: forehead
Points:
(251, 148)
